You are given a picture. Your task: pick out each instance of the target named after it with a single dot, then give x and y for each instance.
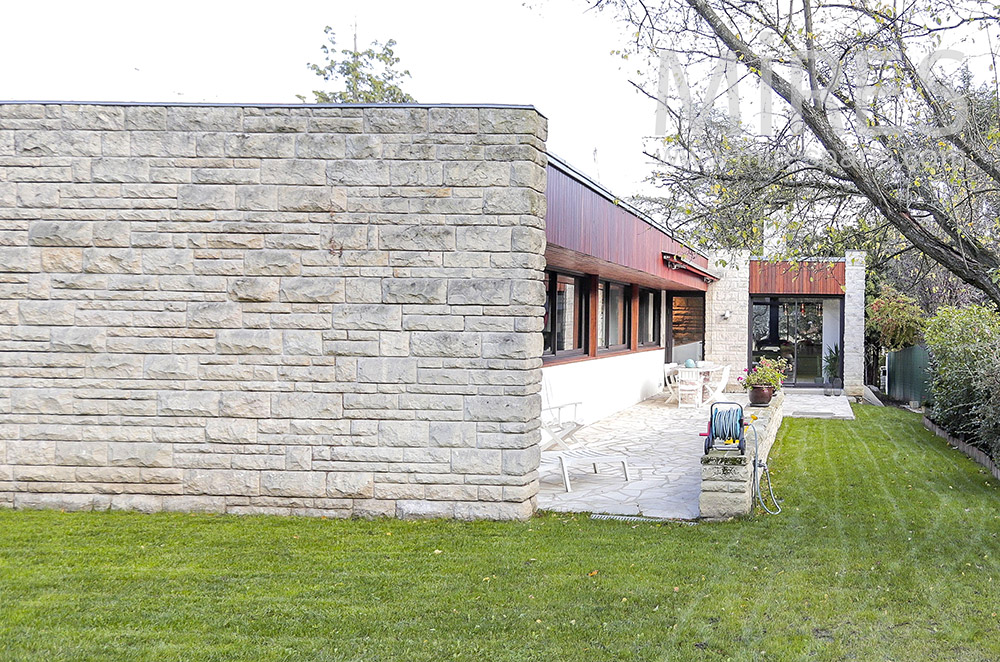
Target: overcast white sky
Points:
(551, 55)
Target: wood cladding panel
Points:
(586, 229)
(804, 278)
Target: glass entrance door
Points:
(808, 342)
(793, 330)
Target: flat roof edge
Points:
(214, 104)
(566, 168)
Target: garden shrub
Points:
(987, 411)
(965, 363)
(895, 319)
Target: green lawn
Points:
(887, 550)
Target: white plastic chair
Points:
(690, 383)
(717, 382)
(560, 425)
(670, 381)
(593, 457)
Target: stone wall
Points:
(854, 323)
(727, 309)
(326, 311)
(727, 478)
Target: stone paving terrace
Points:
(665, 450)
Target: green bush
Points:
(988, 411)
(965, 364)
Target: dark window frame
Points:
(583, 324)
(672, 345)
(772, 300)
(605, 287)
(644, 314)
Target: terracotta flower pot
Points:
(761, 395)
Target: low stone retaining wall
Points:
(726, 478)
(973, 453)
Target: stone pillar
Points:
(727, 310)
(854, 323)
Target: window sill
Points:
(603, 354)
(560, 360)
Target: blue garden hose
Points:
(761, 466)
(727, 424)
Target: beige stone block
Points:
(66, 260)
(248, 341)
(312, 289)
(47, 313)
(231, 430)
(41, 401)
(214, 315)
(293, 483)
(272, 263)
(221, 482)
(60, 233)
(244, 404)
(139, 454)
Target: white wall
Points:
(604, 386)
(831, 328)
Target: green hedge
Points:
(964, 344)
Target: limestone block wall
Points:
(727, 310)
(313, 310)
(854, 323)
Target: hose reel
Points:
(727, 432)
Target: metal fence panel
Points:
(909, 374)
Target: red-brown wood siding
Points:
(588, 233)
(805, 278)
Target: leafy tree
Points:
(367, 76)
(872, 122)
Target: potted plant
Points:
(831, 368)
(764, 379)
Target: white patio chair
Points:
(691, 383)
(560, 426)
(670, 381)
(717, 382)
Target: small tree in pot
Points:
(831, 368)
(764, 379)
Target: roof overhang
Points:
(557, 257)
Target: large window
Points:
(649, 317)
(802, 331)
(612, 316)
(565, 328)
(688, 328)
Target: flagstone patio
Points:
(665, 448)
